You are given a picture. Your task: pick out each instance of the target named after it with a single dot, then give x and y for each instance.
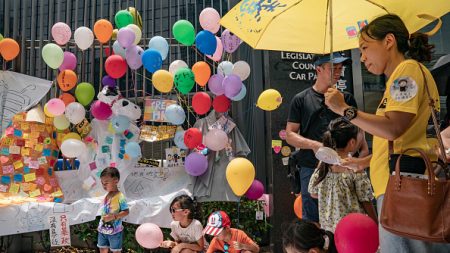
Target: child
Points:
(226, 239)
(110, 229)
(186, 230)
(340, 191)
(305, 236)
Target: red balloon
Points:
(193, 137)
(221, 103)
(298, 206)
(115, 66)
(201, 102)
(356, 232)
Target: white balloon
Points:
(175, 114)
(72, 148)
(137, 33)
(216, 139)
(225, 68)
(119, 50)
(61, 122)
(241, 69)
(83, 37)
(75, 112)
(159, 44)
(177, 64)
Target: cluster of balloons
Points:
(9, 48)
(228, 80)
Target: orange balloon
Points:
(202, 72)
(103, 30)
(9, 49)
(67, 98)
(298, 206)
(67, 79)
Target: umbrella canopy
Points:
(305, 25)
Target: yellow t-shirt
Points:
(405, 92)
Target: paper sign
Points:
(88, 183)
(35, 193)
(29, 177)
(18, 165)
(175, 157)
(59, 230)
(157, 133)
(259, 215)
(276, 145)
(155, 109)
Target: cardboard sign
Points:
(59, 230)
(157, 133)
(154, 109)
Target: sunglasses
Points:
(226, 246)
(172, 210)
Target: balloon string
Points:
(101, 66)
(238, 211)
(206, 60)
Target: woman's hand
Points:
(109, 217)
(356, 164)
(335, 101)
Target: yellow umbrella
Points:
(305, 25)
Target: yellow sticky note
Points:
(34, 135)
(29, 177)
(7, 141)
(18, 117)
(26, 135)
(57, 193)
(25, 187)
(32, 186)
(35, 193)
(25, 151)
(14, 188)
(41, 128)
(25, 125)
(39, 147)
(276, 143)
(18, 164)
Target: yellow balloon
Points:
(269, 100)
(162, 80)
(71, 136)
(137, 32)
(240, 175)
(47, 112)
(136, 16)
(114, 34)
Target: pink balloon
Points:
(232, 85)
(69, 62)
(126, 37)
(209, 20)
(217, 56)
(100, 110)
(230, 41)
(56, 106)
(356, 232)
(133, 57)
(61, 33)
(255, 191)
(216, 139)
(149, 236)
(215, 84)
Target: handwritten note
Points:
(59, 230)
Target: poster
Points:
(175, 157)
(155, 108)
(59, 230)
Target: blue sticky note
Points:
(55, 153)
(6, 179)
(54, 135)
(105, 149)
(50, 171)
(5, 151)
(26, 170)
(123, 142)
(121, 156)
(109, 140)
(129, 135)
(57, 200)
(46, 152)
(18, 178)
(17, 133)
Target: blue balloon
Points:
(152, 61)
(133, 149)
(206, 42)
(159, 44)
(241, 94)
(175, 114)
(120, 123)
(179, 139)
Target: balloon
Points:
(67, 79)
(103, 30)
(269, 100)
(61, 122)
(126, 108)
(225, 68)
(221, 103)
(109, 81)
(75, 113)
(72, 148)
(119, 50)
(69, 62)
(114, 34)
(61, 33)
(232, 85)
(48, 113)
(230, 41)
(84, 93)
(192, 137)
(184, 80)
(179, 139)
(137, 33)
(52, 55)
(202, 72)
(356, 232)
(241, 94)
(152, 60)
(9, 49)
(100, 110)
(126, 37)
(201, 102)
(1, 37)
(123, 18)
(115, 66)
(196, 164)
(255, 191)
(56, 106)
(175, 114)
(216, 139)
(298, 206)
(240, 174)
(67, 98)
(206, 42)
(120, 123)
(184, 32)
(134, 57)
(176, 65)
(209, 20)
(133, 149)
(217, 56)
(215, 84)
(159, 44)
(83, 37)
(71, 136)
(241, 69)
(149, 236)
(136, 16)
(162, 80)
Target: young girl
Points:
(186, 231)
(340, 191)
(305, 236)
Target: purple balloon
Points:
(109, 81)
(126, 37)
(232, 85)
(215, 84)
(230, 41)
(134, 57)
(69, 62)
(196, 164)
(255, 191)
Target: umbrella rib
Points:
(378, 5)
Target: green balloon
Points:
(1, 37)
(184, 32)
(123, 18)
(184, 80)
(53, 55)
(84, 93)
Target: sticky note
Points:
(18, 164)
(26, 169)
(18, 133)
(42, 160)
(93, 166)
(14, 150)
(4, 159)
(29, 177)
(40, 181)
(55, 153)
(53, 182)
(46, 152)
(88, 183)
(5, 151)
(109, 140)
(7, 141)
(18, 178)
(35, 193)
(25, 125)
(39, 147)
(50, 171)
(40, 172)
(32, 186)
(14, 188)
(25, 151)
(57, 193)
(47, 187)
(9, 169)
(3, 188)
(20, 143)
(25, 187)
(33, 164)
(6, 179)
(105, 149)
(9, 131)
